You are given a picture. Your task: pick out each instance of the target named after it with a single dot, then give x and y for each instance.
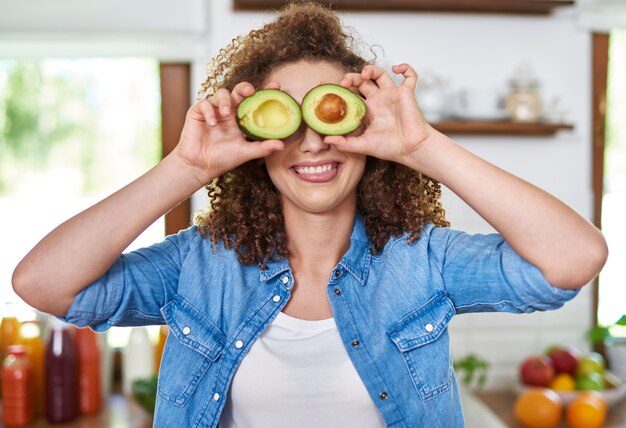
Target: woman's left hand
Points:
(396, 128)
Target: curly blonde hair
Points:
(244, 205)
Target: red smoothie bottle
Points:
(88, 353)
(17, 388)
(61, 375)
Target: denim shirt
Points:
(392, 311)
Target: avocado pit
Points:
(331, 108)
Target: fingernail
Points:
(225, 110)
(212, 122)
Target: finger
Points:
(207, 112)
(272, 85)
(347, 144)
(260, 149)
(410, 75)
(241, 91)
(351, 80)
(221, 101)
(377, 74)
(367, 88)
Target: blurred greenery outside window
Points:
(612, 291)
(72, 131)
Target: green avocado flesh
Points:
(269, 114)
(332, 110)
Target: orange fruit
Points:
(563, 382)
(587, 410)
(538, 408)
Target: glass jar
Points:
(523, 102)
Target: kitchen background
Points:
(459, 54)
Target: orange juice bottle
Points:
(17, 397)
(30, 339)
(158, 351)
(9, 333)
(88, 356)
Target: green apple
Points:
(590, 363)
(590, 382)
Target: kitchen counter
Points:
(492, 409)
(501, 404)
(477, 413)
(118, 412)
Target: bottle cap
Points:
(54, 322)
(17, 350)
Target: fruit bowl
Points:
(612, 395)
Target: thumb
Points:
(347, 144)
(260, 149)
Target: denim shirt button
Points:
(276, 298)
(355, 343)
(285, 279)
(429, 327)
(337, 292)
(216, 396)
(337, 272)
(239, 344)
(186, 331)
(383, 395)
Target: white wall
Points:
(483, 51)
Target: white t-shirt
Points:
(298, 374)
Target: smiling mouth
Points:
(316, 174)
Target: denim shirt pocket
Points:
(193, 344)
(421, 336)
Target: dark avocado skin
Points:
(355, 104)
(259, 97)
(249, 136)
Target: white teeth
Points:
(314, 169)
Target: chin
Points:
(323, 205)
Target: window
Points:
(612, 290)
(72, 131)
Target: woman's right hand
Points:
(211, 141)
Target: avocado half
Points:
(269, 114)
(332, 109)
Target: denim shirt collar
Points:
(356, 260)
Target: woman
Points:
(304, 296)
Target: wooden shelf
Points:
(526, 7)
(499, 128)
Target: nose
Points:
(312, 142)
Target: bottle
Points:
(9, 334)
(137, 358)
(106, 365)
(17, 381)
(158, 350)
(61, 386)
(30, 339)
(88, 355)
